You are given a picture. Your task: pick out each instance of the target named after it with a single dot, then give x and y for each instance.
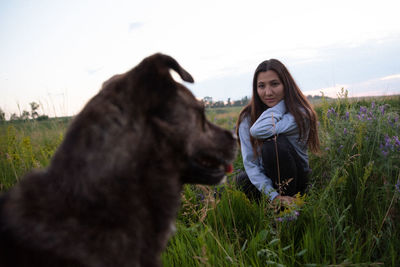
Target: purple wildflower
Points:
(370, 114)
(363, 109)
(390, 144)
(347, 115)
(331, 112)
(294, 216)
(387, 141)
(393, 121)
(200, 196)
(382, 147)
(396, 141)
(287, 217)
(365, 114)
(373, 105)
(382, 109)
(344, 131)
(398, 185)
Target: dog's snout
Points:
(234, 136)
(230, 135)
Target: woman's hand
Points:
(283, 200)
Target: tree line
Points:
(25, 115)
(209, 103)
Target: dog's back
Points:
(16, 249)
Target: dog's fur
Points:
(113, 187)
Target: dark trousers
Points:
(290, 178)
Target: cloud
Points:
(328, 91)
(388, 85)
(135, 25)
(391, 77)
(93, 71)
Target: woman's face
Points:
(270, 88)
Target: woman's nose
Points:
(268, 90)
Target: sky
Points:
(58, 53)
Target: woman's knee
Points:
(282, 144)
(245, 185)
(242, 178)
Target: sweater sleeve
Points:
(252, 165)
(273, 121)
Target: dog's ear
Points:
(163, 63)
(173, 64)
(148, 86)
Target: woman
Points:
(274, 131)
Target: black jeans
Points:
(292, 176)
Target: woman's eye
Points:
(275, 84)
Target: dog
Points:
(112, 189)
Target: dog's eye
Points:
(202, 114)
(203, 118)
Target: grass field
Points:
(349, 217)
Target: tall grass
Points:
(349, 217)
(27, 144)
(351, 213)
(224, 117)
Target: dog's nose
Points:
(234, 136)
(231, 135)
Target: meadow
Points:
(350, 215)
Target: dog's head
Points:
(204, 150)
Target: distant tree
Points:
(2, 115)
(25, 115)
(14, 117)
(42, 117)
(229, 102)
(218, 104)
(245, 101)
(34, 107)
(237, 103)
(208, 101)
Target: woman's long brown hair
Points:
(296, 103)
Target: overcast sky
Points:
(58, 53)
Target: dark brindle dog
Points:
(113, 187)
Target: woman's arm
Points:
(273, 121)
(252, 165)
